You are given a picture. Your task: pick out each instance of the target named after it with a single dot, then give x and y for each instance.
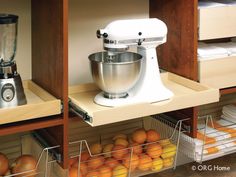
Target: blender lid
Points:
(8, 18)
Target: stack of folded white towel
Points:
(217, 139)
(229, 128)
(226, 2)
(215, 3)
(229, 113)
(211, 51)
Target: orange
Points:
(72, 161)
(83, 168)
(121, 141)
(139, 136)
(95, 162)
(111, 162)
(152, 136)
(137, 149)
(95, 148)
(84, 156)
(107, 150)
(129, 163)
(123, 136)
(157, 164)
(169, 151)
(164, 142)
(119, 152)
(93, 174)
(120, 171)
(73, 172)
(168, 162)
(145, 162)
(105, 171)
(154, 150)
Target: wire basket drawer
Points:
(131, 159)
(35, 160)
(215, 138)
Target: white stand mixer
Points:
(146, 34)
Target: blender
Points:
(11, 88)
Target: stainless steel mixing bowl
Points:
(115, 77)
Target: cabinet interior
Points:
(53, 49)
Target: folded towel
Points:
(229, 118)
(230, 125)
(201, 137)
(230, 147)
(219, 141)
(229, 113)
(208, 4)
(198, 157)
(229, 46)
(210, 51)
(189, 147)
(211, 150)
(226, 2)
(224, 126)
(211, 132)
(231, 108)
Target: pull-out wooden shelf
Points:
(218, 73)
(217, 22)
(39, 104)
(187, 93)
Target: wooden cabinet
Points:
(49, 85)
(179, 54)
(49, 42)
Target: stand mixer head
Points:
(146, 35)
(11, 89)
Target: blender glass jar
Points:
(8, 38)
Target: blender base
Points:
(12, 92)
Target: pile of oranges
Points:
(142, 151)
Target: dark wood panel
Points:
(47, 45)
(179, 53)
(58, 136)
(50, 61)
(189, 113)
(30, 125)
(228, 90)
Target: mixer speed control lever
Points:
(101, 33)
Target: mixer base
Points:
(115, 96)
(163, 95)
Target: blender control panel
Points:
(8, 92)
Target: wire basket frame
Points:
(188, 144)
(44, 159)
(167, 130)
